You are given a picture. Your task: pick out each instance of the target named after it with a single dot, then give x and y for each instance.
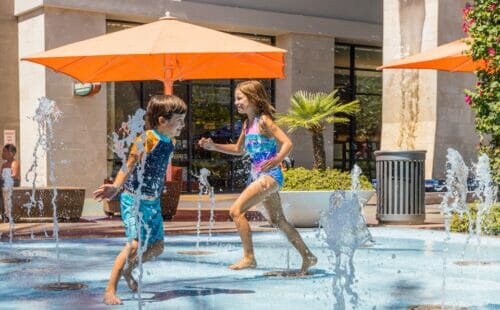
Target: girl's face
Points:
(242, 103)
(172, 127)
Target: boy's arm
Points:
(108, 191)
(122, 176)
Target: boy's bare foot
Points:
(308, 262)
(131, 282)
(244, 263)
(110, 298)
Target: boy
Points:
(165, 115)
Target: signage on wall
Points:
(9, 136)
(86, 89)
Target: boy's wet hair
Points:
(163, 105)
(11, 148)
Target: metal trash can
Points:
(400, 186)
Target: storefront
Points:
(212, 114)
(317, 39)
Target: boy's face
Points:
(172, 127)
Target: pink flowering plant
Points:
(482, 24)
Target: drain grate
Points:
(195, 252)
(62, 286)
(14, 260)
(436, 307)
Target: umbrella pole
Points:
(168, 87)
(168, 90)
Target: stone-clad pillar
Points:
(80, 136)
(309, 67)
(424, 109)
(9, 79)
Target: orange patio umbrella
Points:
(166, 50)
(447, 57)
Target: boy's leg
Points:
(151, 252)
(110, 297)
(253, 194)
(277, 217)
(151, 229)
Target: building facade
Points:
(331, 44)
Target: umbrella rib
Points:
(69, 64)
(103, 67)
(114, 60)
(195, 66)
(263, 66)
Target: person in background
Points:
(8, 155)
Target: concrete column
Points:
(31, 86)
(309, 67)
(79, 151)
(9, 72)
(422, 108)
(455, 121)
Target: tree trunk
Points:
(319, 151)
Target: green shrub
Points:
(490, 224)
(302, 179)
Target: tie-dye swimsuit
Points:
(261, 149)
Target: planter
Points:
(69, 202)
(304, 208)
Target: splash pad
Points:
(401, 269)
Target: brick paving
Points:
(95, 224)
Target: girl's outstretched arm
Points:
(275, 131)
(231, 149)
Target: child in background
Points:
(165, 115)
(8, 154)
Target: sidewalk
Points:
(95, 224)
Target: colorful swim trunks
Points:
(150, 218)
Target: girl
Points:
(259, 137)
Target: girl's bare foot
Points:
(131, 282)
(308, 262)
(110, 298)
(244, 263)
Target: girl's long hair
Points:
(256, 94)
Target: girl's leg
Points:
(110, 297)
(277, 217)
(252, 195)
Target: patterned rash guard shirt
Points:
(261, 149)
(158, 150)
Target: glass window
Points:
(368, 82)
(342, 56)
(368, 58)
(356, 141)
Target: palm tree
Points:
(312, 111)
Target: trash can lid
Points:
(400, 155)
